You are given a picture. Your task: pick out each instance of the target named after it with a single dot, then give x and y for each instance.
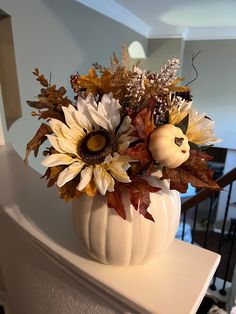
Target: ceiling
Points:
(190, 19)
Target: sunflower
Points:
(89, 144)
(200, 128)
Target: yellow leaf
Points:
(90, 189)
(94, 84)
(178, 88)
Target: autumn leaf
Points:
(144, 124)
(175, 88)
(91, 188)
(194, 171)
(114, 200)
(48, 114)
(52, 174)
(139, 195)
(68, 191)
(50, 99)
(38, 139)
(138, 153)
(95, 84)
(50, 102)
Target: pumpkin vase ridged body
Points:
(112, 240)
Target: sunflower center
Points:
(95, 146)
(96, 142)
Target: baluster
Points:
(208, 222)
(184, 222)
(232, 236)
(213, 285)
(194, 222)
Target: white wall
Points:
(61, 37)
(159, 50)
(214, 90)
(214, 93)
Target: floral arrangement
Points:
(124, 125)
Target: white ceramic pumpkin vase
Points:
(112, 240)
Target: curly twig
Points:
(193, 65)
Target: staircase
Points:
(208, 233)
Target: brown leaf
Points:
(41, 78)
(194, 171)
(52, 174)
(139, 153)
(50, 99)
(37, 104)
(114, 200)
(144, 124)
(139, 195)
(37, 140)
(68, 191)
(36, 72)
(51, 114)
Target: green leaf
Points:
(194, 146)
(183, 124)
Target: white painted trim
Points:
(211, 33)
(2, 121)
(118, 13)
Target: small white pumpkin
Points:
(169, 146)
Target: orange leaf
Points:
(91, 188)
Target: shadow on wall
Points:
(8, 73)
(97, 35)
(65, 37)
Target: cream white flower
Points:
(177, 114)
(200, 128)
(89, 144)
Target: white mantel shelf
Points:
(175, 283)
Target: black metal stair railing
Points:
(204, 233)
